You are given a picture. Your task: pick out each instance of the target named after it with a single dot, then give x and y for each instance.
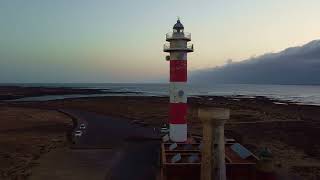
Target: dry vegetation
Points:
(25, 134)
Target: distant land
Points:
(296, 65)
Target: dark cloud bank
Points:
(296, 65)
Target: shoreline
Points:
(17, 92)
(42, 93)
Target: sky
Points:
(52, 41)
(294, 66)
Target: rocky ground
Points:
(291, 131)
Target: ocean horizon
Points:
(301, 94)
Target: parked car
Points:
(78, 133)
(164, 130)
(82, 126)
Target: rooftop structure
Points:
(238, 164)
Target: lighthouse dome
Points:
(178, 26)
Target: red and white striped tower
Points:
(178, 48)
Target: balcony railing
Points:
(168, 48)
(176, 35)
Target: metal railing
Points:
(176, 35)
(167, 47)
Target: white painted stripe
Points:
(178, 132)
(177, 91)
(178, 55)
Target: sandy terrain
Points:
(25, 134)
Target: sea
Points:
(300, 94)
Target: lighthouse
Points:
(178, 48)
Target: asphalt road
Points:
(109, 148)
(108, 132)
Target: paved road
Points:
(107, 132)
(110, 148)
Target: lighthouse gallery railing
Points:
(182, 35)
(167, 47)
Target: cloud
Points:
(295, 65)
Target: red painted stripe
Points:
(178, 113)
(178, 71)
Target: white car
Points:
(164, 130)
(82, 126)
(77, 133)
